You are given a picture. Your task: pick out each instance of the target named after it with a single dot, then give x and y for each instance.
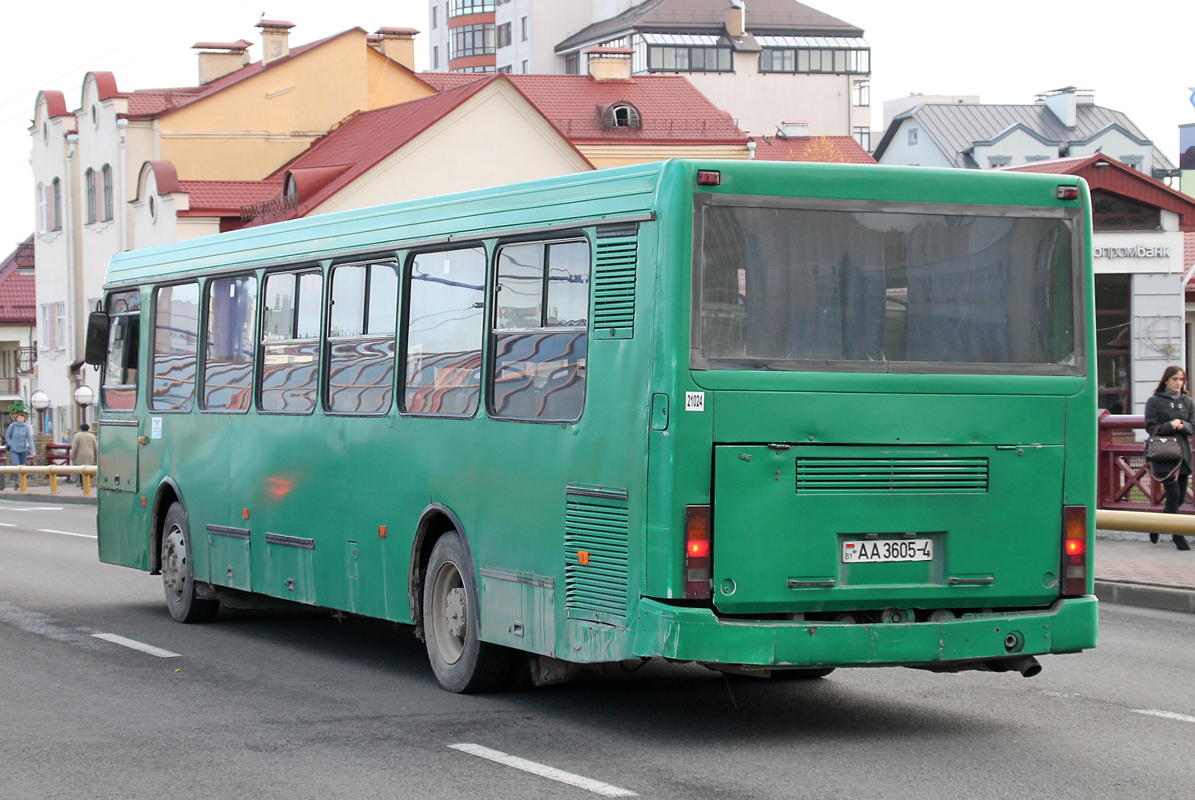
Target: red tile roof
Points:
(226, 198)
(671, 109)
(18, 301)
(838, 149)
(451, 80)
(152, 103)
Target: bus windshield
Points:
(801, 288)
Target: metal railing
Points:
(1129, 497)
(52, 471)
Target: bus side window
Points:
(228, 356)
(540, 331)
(445, 304)
(176, 341)
(120, 370)
(362, 322)
(290, 342)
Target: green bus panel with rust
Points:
(528, 496)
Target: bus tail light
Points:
(1068, 192)
(1074, 551)
(698, 571)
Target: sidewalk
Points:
(1132, 571)
(68, 493)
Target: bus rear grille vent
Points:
(595, 531)
(614, 289)
(891, 475)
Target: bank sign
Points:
(1138, 251)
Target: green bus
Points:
(770, 418)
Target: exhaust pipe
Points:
(1028, 666)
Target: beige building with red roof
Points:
(129, 169)
(18, 324)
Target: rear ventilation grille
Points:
(892, 475)
(595, 530)
(614, 288)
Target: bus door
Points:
(801, 528)
(119, 431)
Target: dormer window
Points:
(290, 191)
(621, 115)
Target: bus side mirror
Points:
(97, 339)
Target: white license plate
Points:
(882, 551)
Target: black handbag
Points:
(1163, 448)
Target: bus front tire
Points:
(178, 571)
(461, 662)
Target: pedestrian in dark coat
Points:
(1171, 412)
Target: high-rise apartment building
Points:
(778, 66)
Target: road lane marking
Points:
(8, 524)
(31, 508)
(133, 644)
(1164, 714)
(43, 625)
(66, 533)
(551, 773)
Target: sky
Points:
(1135, 58)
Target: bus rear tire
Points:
(461, 662)
(178, 571)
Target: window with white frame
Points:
(912, 136)
(861, 93)
(106, 177)
(862, 135)
(89, 180)
(56, 205)
(60, 321)
(42, 219)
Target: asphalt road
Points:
(297, 704)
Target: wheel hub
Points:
(454, 612)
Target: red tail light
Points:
(1074, 551)
(698, 565)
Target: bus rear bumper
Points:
(693, 634)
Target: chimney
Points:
(275, 40)
(217, 59)
(736, 19)
(398, 44)
(1063, 104)
(610, 63)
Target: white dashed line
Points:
(1164, 714)
(551, 773)
(66, 533)
(133, 644)
(8, 524)
(31, 508)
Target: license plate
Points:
(882, 551)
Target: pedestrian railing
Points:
(53, 471)
(1129, 497)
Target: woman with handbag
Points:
(1170, 414)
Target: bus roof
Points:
(614, 194)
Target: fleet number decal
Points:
(694, 401)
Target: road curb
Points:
(1166, 598)
(47, 498)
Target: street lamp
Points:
(41, 401)
(84, 396)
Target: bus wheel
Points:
(461, 661)
(178, 572)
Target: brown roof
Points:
(1109, 175)
(709, 17)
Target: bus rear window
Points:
(798, 288)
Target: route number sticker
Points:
(694, 401)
